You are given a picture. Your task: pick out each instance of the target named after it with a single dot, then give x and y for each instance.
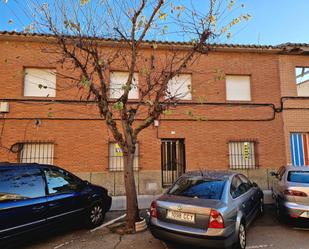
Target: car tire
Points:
(278, 209)
(242, 236)
(95, 215)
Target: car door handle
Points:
(243, 205)
(38, 208)
(252, 198)
(53, 204)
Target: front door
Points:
(173, 160)
(64, 198)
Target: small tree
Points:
(82, 32)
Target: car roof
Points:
(211, 174)
(297, 168)
(8, 165)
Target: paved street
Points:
(265, 232)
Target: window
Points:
(118, 81)
(179, 87)
(302, 81)
(299, 148)
(40, 82)
(239, 187)
(298, 176)
(246, 182)
(37, 153)
(116, 157)
(238, 88)
(198, 187)
(242, 155)
(21, 184)
(59, 182)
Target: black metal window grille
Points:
(242, 155)
(37, 152)
(116, 158)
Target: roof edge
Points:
(281, 48)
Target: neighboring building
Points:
(294, 76)
(241, 126)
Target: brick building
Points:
(241, 126)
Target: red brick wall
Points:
(82, 146)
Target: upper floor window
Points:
(302, 80)
(238, 88)
(179, 87)
(40, 82)
(118, 81)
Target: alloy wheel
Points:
(242, 236)
(96, 214)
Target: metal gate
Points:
(173, 160)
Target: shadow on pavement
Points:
(32, 239)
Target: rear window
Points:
(198, 187)
(298, 176)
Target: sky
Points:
(273, 21)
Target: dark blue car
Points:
(34, 196)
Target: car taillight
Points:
(153, 209)
(294, 193)
(215, 220)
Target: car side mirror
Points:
(86, 183)
(272, 173)
(82, 185)
(254, 184)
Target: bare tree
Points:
(93, 37)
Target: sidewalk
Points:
(144, 201)
(99, 239)
(85, 239)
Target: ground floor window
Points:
(37, 152)
(242, 155)
(299, 148)
(116, 157)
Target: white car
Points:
(291, 192)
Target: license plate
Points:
(175, 215)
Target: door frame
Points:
(179, 153)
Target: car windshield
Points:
(299, 176)
(198, 187)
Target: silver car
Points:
(291, 191)
(208, 209)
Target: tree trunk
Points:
(132, 205)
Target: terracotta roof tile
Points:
(213, 45)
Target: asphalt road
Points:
(267, 232)
(264, 232)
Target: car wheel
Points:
(95, 215)
(242, 236)
(278, 209)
